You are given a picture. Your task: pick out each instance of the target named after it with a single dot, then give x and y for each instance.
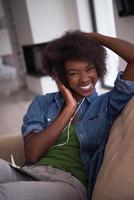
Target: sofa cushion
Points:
(115, 180)
(12, 144)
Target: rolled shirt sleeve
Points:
(35, 118)
(123, 85)
(119, 96)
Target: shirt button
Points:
(48, 119)
(81, 136)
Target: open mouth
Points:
(86, 87)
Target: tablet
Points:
(26, 172)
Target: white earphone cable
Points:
(68, 126)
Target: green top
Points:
(67, 157)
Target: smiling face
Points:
(82, 77)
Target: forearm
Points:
(38, 144)
(121, 47)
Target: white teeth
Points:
(86, 87)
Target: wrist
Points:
(69, 110)
(97, 36)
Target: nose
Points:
(84, 77)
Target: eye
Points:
(73, 73)
(90, 67)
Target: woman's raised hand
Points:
(70, 101)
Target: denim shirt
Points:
(95, 118)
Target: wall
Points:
(106, 25)
(5, 44)
(50, 18)
(84, 16)
(22, 22)
(1, 9)
(124, 29)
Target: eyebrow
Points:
(68, 70)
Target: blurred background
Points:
(25, 28)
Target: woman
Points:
(65, 133)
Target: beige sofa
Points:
(116, 176)
(115, 180)
(12, 145)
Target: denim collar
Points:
(91, 98)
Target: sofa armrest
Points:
(116, 176)
(12, 144)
